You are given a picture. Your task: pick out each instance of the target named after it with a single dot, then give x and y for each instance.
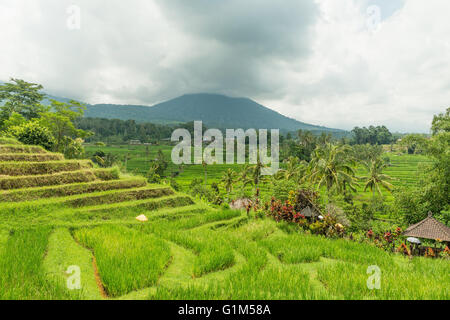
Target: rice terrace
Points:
(225, 158)
(59, 213)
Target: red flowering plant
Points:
(370, 234)
(404, 249)
(388, 237)
(445, 253)
(429, 253)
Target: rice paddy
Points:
(72, 219)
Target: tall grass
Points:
(31, 168)
(60, 178)
(28, 194)
(127, 260)
(22, 276)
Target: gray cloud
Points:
(313, 60)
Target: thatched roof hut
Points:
(429, 228)
(310, 213)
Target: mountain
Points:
(216, 111)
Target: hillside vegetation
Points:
(216, 111)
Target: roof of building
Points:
(308, 212)
(429, 228)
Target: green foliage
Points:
(159, 166)
(60, 122)
(372, 135)
(7, 140)
(122, 131)
(57, 178)
(366, 152)
(64, 190)
(104, 160)
(22, 276)
(281, 189)
(228, 180)
(414, 143)
(375, 180)
(33, 133)
(174, 184)
(40, 168)
(20, 97)
(127, 259)
(433, 189)
(331, 167)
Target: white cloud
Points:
(315, 61)
(398, 76)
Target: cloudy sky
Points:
(334, 63)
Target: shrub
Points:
(33, 133)
(174, 184)
(281, 189)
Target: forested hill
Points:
(216, 111)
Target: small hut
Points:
(429, 228)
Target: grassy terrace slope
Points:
(52, 223)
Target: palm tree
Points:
(295, 170)
(375, 180)
(245, 176)
(228, 180)
(204, 164)
(257, 169)
(330, 167)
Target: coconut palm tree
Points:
(257, 169)
(245, 176)
(204, 164)
(295, 170)
(228, 180)
(375, 180)
(331, 167)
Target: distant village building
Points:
(135, 142)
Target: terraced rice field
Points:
(55, 225)
(403, 167)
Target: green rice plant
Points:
(116, 196)
(39, 168)
(291, 250)
(32, 157)
(255, 279)
(127, 259)
(29, 194)
(200, 219)
(208, 246)
(349, 281)
(60, 178)
(62, 253)
(9, 141)
(133, 207)
(18, 148)
(22, 276)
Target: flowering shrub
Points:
(445, 253)
(429, 253)
(404, 249)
